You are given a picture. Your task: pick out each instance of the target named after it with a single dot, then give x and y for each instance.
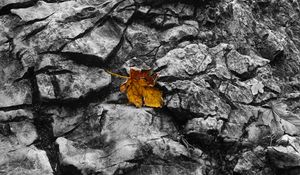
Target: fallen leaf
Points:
(140, 89)
(257, 87)
(274, 115)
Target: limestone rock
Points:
(16, 94)
(143, 39)
(24, 131)
(175, 34)
(242, 64)
(101, 42)
(117, 135)
(7, 4)
(195, 99)
(15, 115)
(237, 93)
(203, 125)
(12, 92)
(16, 156)
(238, 119)
(25, 160)
(182, 63)
(286, 154)
(65, 118)
(253, 162)
(228, 71)
(220, 69)
(67, 80)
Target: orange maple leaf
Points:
(140, 89)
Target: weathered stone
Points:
(242, 64)
(123, 121)
(67, 80)
(24, 160)
(175, 34)
(6, 3)
(115, 135)
(203, 125)
(124, 11)
(220, 69)
(253, 162)
(166, 21)
(284, 157)
(25, 132)
(234, 127)
(272, 44)
(237, 93)
(182, 63)
(223, 66)
(100, 42)
(180, 9)
(268, 79)
(61, 27)
(240, 25)
(269, 124)
(12, 92)
(16, 94)
(16, 157)
(42, 10)
(15, 115)
(65, 119)
(286, 154)
(143, 39)
(197, 100)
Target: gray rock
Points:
(202, 125)
(24, 131)
(241, 24)
(286, 154)
(65, 119)
(15, 94)
(67, 29)
(15, 115)
(143, 39)
(284, 157)
(25, 160)
(270, 124)
(272, 44)
(268, 79)
(175, 34)
(42, 10)
(228, 72)
(124, 11)
(195, 99)
(16, 157)
(242, 64)
(116, 135)
(12, 92)
(253, 162)
(6, 3)
(234, 128)
(184, 62)
(218, 55)
(67, 80)
(100, 42)
(180, 9)
(239, 93)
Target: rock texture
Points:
(228, 69)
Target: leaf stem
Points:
(116, 75)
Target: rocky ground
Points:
(229, 72)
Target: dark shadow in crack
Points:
(69, 169)
(6, 9)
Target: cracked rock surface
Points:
(229, 71)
